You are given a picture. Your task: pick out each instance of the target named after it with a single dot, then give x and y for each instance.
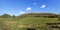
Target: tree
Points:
(13, 16)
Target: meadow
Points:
(23, 23)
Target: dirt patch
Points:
(24, 26)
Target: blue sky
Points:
(17, 7)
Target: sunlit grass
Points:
(14, 23)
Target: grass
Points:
(20, 23)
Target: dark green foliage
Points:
(31, 29)
(13, 16)
(59, 18)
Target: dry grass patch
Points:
(10, 22)
(25, 26)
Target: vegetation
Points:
(31, 20)
(46, 15)
(5, 16)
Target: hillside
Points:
(46, 15)
(30, 20)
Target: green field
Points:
(23, 23)
(27, 21)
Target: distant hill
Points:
(5, 16)
(45, 15)
(49, 15)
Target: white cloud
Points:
(22, 12)
(28, 8)
(34, 3)
(43, 6)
